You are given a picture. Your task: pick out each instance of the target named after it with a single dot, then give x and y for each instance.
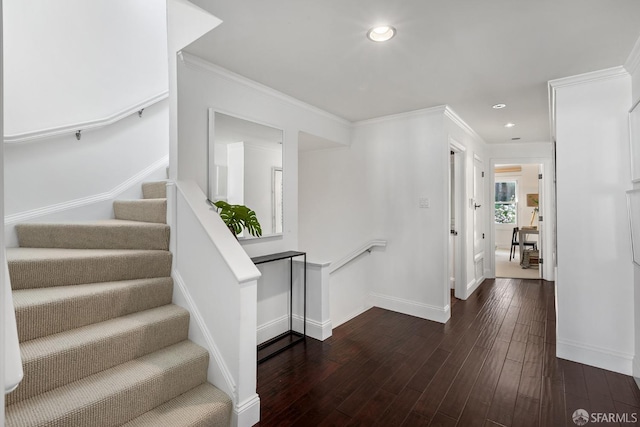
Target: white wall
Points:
(371, 190)
(76, 61)
(594, 275)
(49, 180)
(3, 284)
(201, 86)
(633, 66)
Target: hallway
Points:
(492, 364)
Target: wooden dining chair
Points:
(515, 245)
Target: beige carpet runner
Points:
(101, 342)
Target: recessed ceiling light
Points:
(381, 33)
(498, 106)
(509, 125)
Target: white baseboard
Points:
(272, 328)
(247, 413)
(135, 180)
(636, 370)
(424, 311)
(275, 327)
(473, 285)
(317, 330)
(595, 356)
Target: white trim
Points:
(456, 119)
(84, 126)
(636, 369)
(208, 343)
(473, 285)
(440, 109)
(413, 308)
(204, 65)
(317, 330)
(272, 328)
(84, 201)
(595, 356)
(633, 61)
(609, 73)
(247, 413)
(367, 247)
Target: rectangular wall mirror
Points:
(245, 168)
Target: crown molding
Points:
(448, 112)
(205, 65)
(87, 125)
(633, 61)
(409, 114)
(606, 74)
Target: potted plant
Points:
(238, 217)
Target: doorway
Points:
(517, 198)
(457, 284)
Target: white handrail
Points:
(367, 247)
(13, 363)
(76, 128)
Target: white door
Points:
(478, 217)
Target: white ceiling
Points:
(469, 54)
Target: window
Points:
(506, 205)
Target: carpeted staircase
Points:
(101, 343)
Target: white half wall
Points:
(595, 296)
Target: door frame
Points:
(546, 211)
(459, 253)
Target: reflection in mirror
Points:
(245, 168)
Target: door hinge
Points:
(483, 174)
(541, 261)
(483, 235)
(539, 176)
(540, 218)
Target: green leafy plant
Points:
(238, 217)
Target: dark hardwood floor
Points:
(492, 364)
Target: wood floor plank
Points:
(494, 363)
(502, 407)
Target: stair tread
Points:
(37, 254)
(47, 267)
(54, 360)
(23, 298)
(141, 210)
(154, 189)
(203, 406)
(126, 390)
(63, 341)
(107, 234)
(44, 311)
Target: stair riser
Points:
(118, 407)
(40, 320)
(92, 237)
(58, 369)
(151, 210)
(29, 274)
(154, 190)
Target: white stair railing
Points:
(367, 247)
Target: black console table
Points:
(291, 337)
